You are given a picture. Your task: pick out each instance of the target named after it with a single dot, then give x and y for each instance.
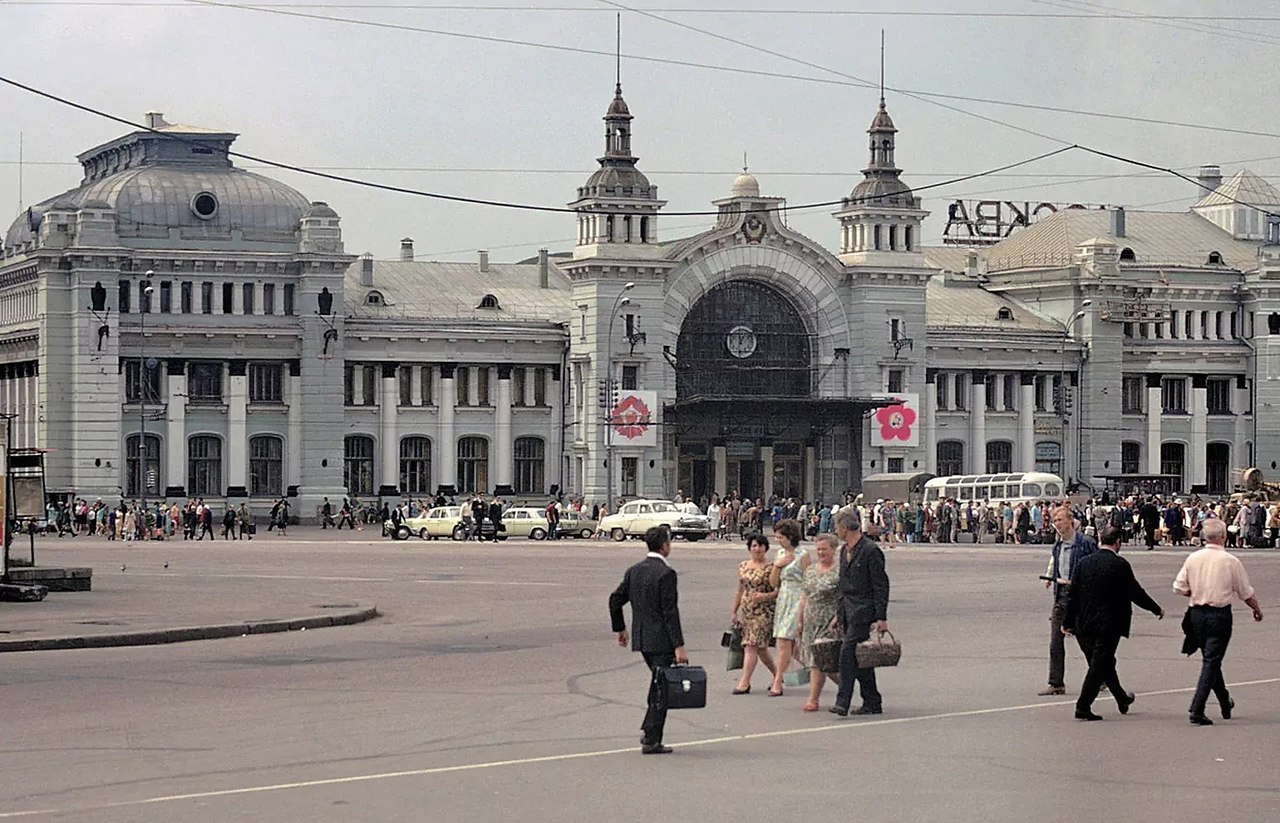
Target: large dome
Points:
(883, 191)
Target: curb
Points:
(184, 635)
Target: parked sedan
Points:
(442, 521)
(526, 521)
(638, 516)
(577, 524)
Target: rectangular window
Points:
(1248, 404)
(1219, 395)
(1011, 392)
(126, 291)
(406, 386)
(206, 298)
(893, 384)
(166, 297)
(425, 391)
(1173, 395)
(630, 475)
(369, 386)
(185, 299)
(1134, 389)
(539, 387)
(269, 298)
(247, 302)
(133, 383)
(266, 383)
(518, 379)
(631, 378)
(349, 385)
(144, 299)
(462, 382)
(962, 392)
(228, 298)
(989, 393)
(288, 299)
(204, 383)
(895, 465)
(482, 386)
(942, 385)
(1130, 457)
(1042, 392)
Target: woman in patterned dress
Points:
(818, 608)
(753, 604)
(787, 578)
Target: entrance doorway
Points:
(1218, 467)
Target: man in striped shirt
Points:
(1212, 578)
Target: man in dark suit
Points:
(650, 587)
(1099, 611)
(863, 603)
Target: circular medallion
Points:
(741, 342)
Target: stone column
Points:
(237, 430)
(1026, 422)
(176, 429)
(977, 457)
(502, 457)
(931, 420)
(1196, 457)
(390, 462)
(530, 374)
(1239, 403)
(446, 446)
(720, 461)
(1155, 410)
(293, 449)
(766, 457)
(237, 298)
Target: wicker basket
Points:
(878, 651)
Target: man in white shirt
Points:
(1212, 578)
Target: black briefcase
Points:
(686, 686)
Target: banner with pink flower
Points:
(634, 418)
(897, 424)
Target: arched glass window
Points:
(204, 466)
(999, 457)
(473, 464)
(950, 458)
(530, 457)
(415, 466)
(357, 464)
(266, 466)
(142, 471)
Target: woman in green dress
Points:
(787, 577)
(818, 608)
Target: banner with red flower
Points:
(897, 424)
(633, 419)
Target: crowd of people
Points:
(159, 520)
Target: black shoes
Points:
(839, 711)
(653, 748)
(1087, 715)
(1200, 720)
(1124, 705)
(1227, 707)
(865, 709)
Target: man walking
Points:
(1068, 550)
(650, 587)
(1212, 577)
(863, 603)
(1099, 612)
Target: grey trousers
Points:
(1057, 642)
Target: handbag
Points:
(826, 655)
(732, 640)
(796, 677)
(877, 652)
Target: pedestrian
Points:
(326, 514)
(787, 578)
(345, 517)
(862, 604)
(244, 519)
(650, 587)
(818, 607)
(229, 524)
(1100, 603)
(552, 514)
(1212, 578)
(282, 517)
(1068, 550)
(753, 610)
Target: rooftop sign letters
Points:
(987, 222)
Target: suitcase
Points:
(686, 686)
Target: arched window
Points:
(266, 466)
(142, 466)
(530, 456)
(1127, 255)
(1215, 258)
(1049, 457)
(374, 298)
(1004, 313)
(415, 466)
(357, 464)
(999, 457)
(1173, 458)
(204, 466)
(950, 458)
(488, 302)
(473, 464)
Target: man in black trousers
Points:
(650, 587)
(1099, 611)
(863, 603)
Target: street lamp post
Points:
(144, 386)
(618, 302)
(1062, 380)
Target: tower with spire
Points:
(617, 206)
(880, 219)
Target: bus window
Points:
(997, 493)
(1052, 490)
(982, 493)
(1031, 490)
(931, 495)
(953, 492)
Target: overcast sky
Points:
(513, 122)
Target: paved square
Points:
(492, 689)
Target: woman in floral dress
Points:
(818, 608)
(753, 606)
(788, 578)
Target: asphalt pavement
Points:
(491, 687)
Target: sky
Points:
(408, 102)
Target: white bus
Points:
(996, 488)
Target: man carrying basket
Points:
(863, 604)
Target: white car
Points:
(638, 516)
(526, 521)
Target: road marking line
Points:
(558, 758)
